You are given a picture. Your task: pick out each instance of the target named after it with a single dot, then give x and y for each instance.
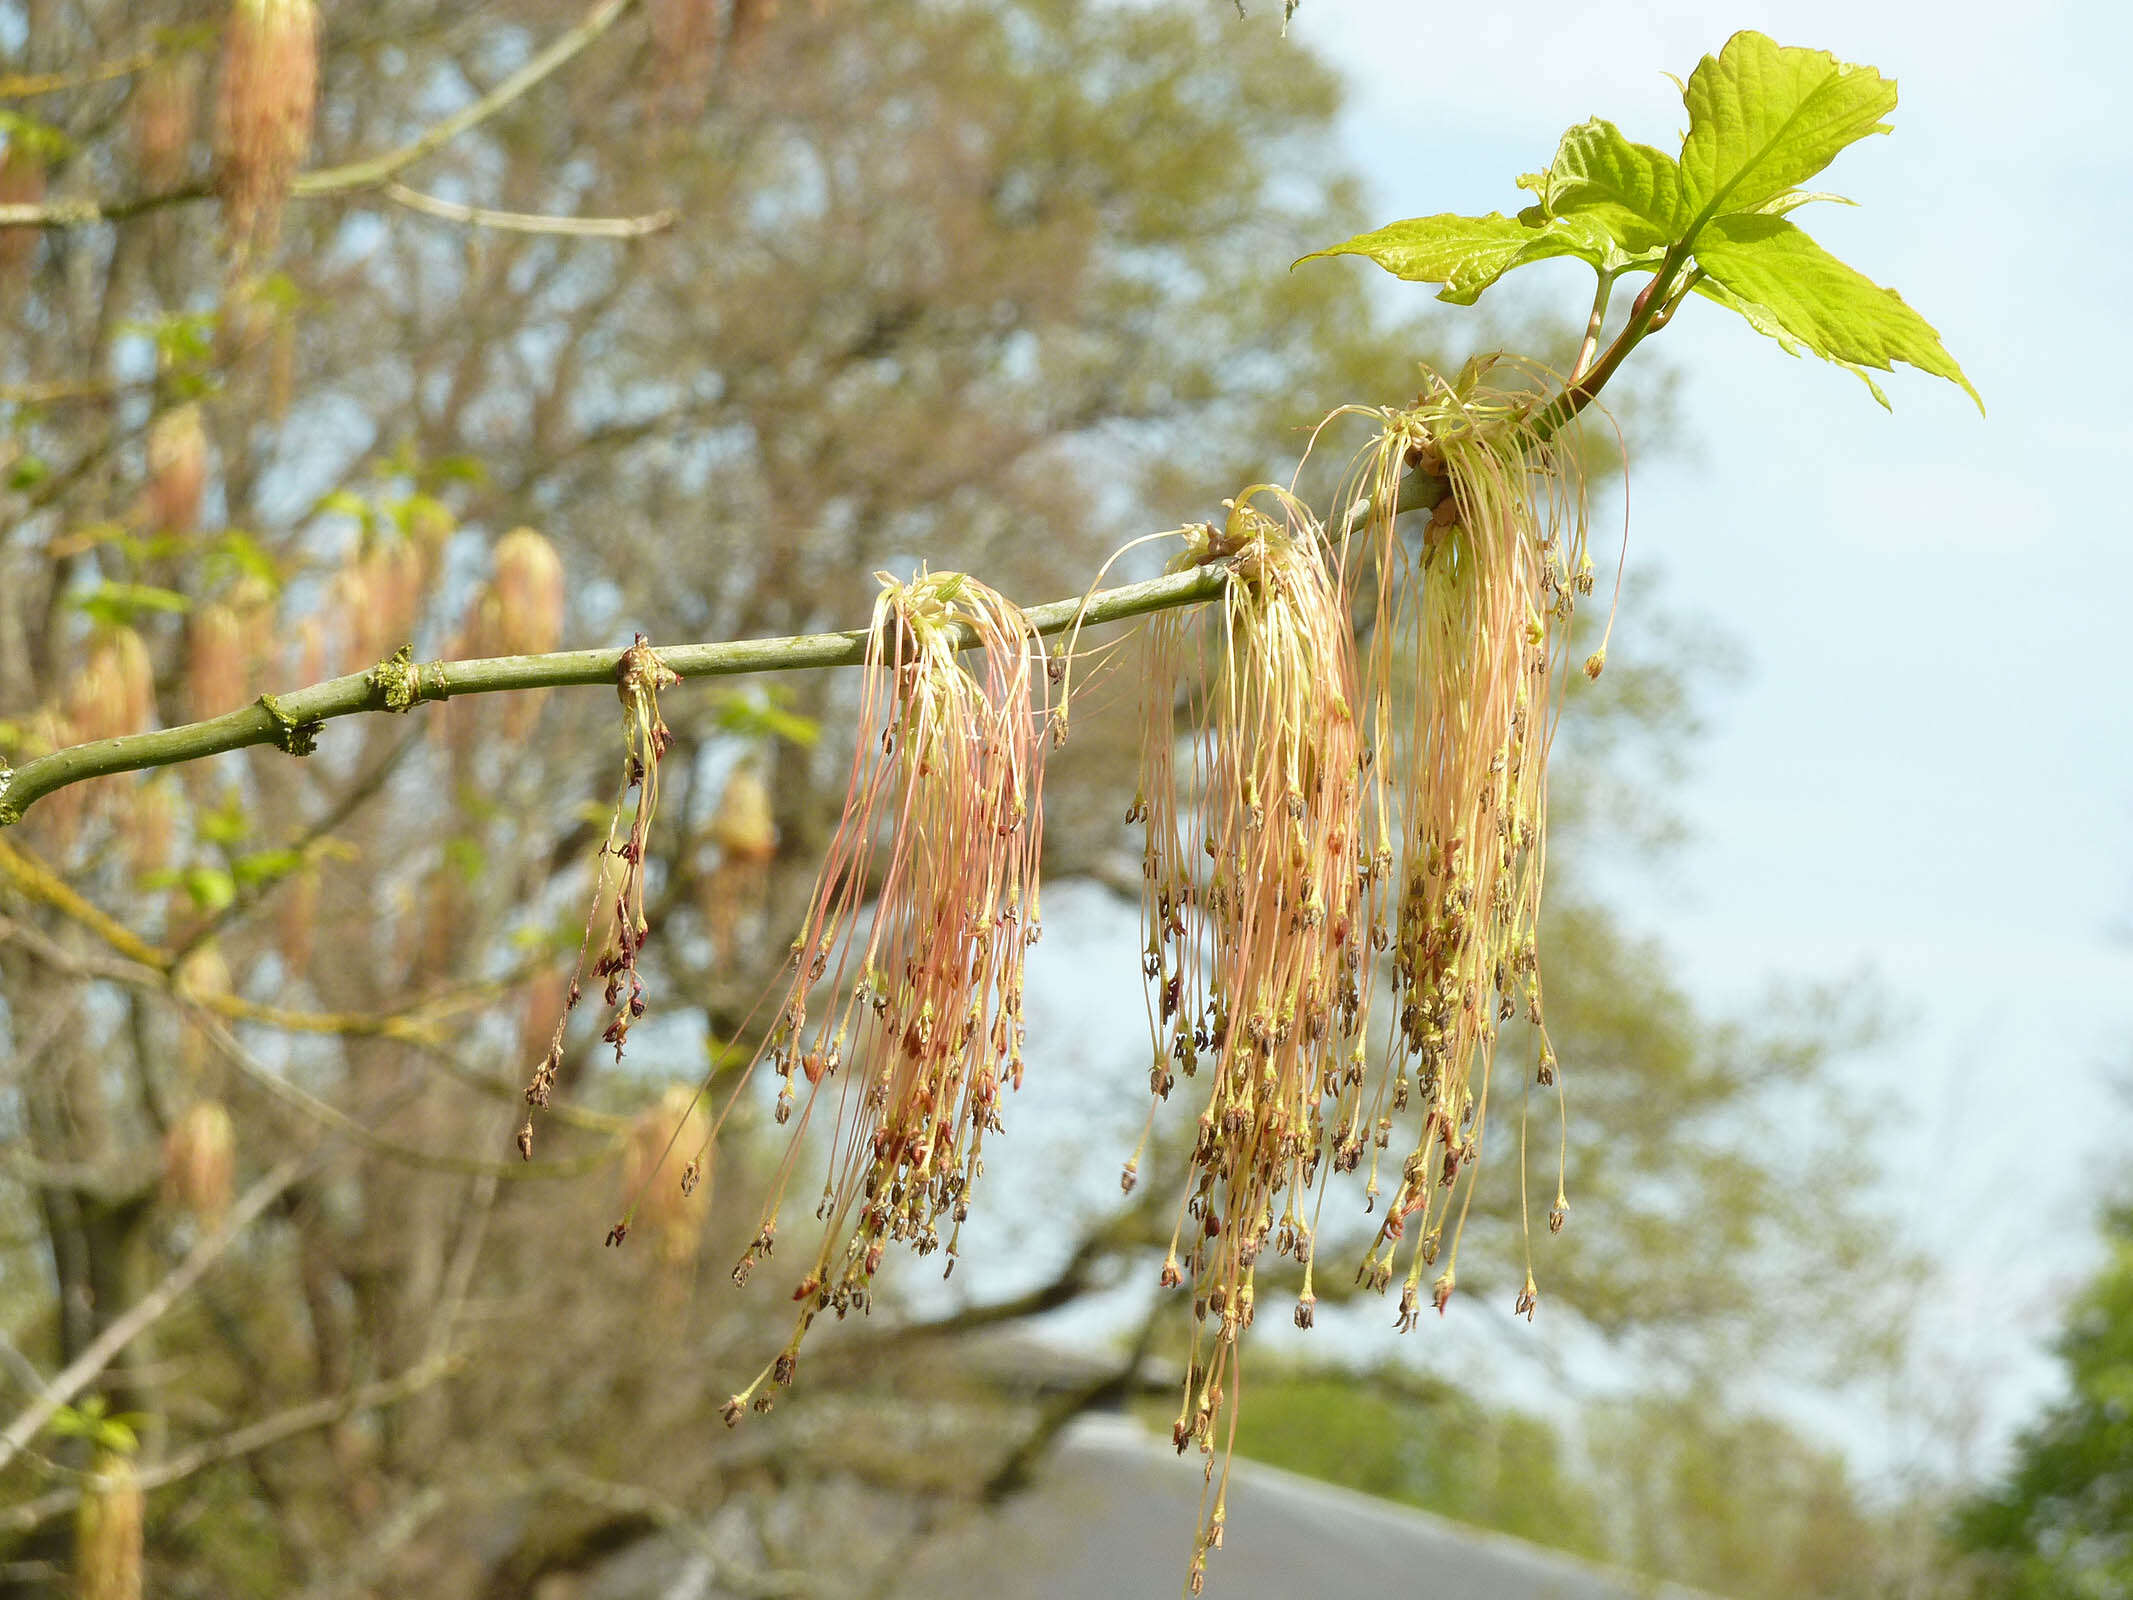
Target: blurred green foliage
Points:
(1423, 1442)
(2060, 1527)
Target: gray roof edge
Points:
(1120, 1433)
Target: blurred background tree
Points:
(991, 286)
(2060, 1525)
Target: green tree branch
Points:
(292, 720)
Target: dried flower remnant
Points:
(107, 1530)
(942, 825)
(1468, 656)
(296, 914)
(200, 1160)
(177, 470)
(114, 692)
(380, 592)
(617, 914)
(750, 20)
(202, 976)
(263, 114)
(1259, 892)
(733, 891)
(523, 614)
(148, 825)
(522, 611)
(685, 39)
(215, 669)
(229, 645)
(663, 1192)
(519, 611)
(162, 113)
(540, 1000)
(21, 183)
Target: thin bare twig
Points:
(351, 177)
(126, 1328)
(332, 1116)
(529, 222)
(28, 85)
(417, 1030)
(261, 1435)
(19, 1366)
(372, 171)
(145, 966)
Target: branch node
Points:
(290, 735)
(9, 815)
(397, 680)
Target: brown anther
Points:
(618, 1232)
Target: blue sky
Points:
(1927, 773)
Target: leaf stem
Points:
(1591, 346)
(1644, 315)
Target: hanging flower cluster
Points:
(1327, 813)
(617, 916)
(1344, 797)
(922, 1029)
(1261, 887)
(263, 113)
(1469, 649)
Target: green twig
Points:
(372, 171)
(292, 720)
(400, 684)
